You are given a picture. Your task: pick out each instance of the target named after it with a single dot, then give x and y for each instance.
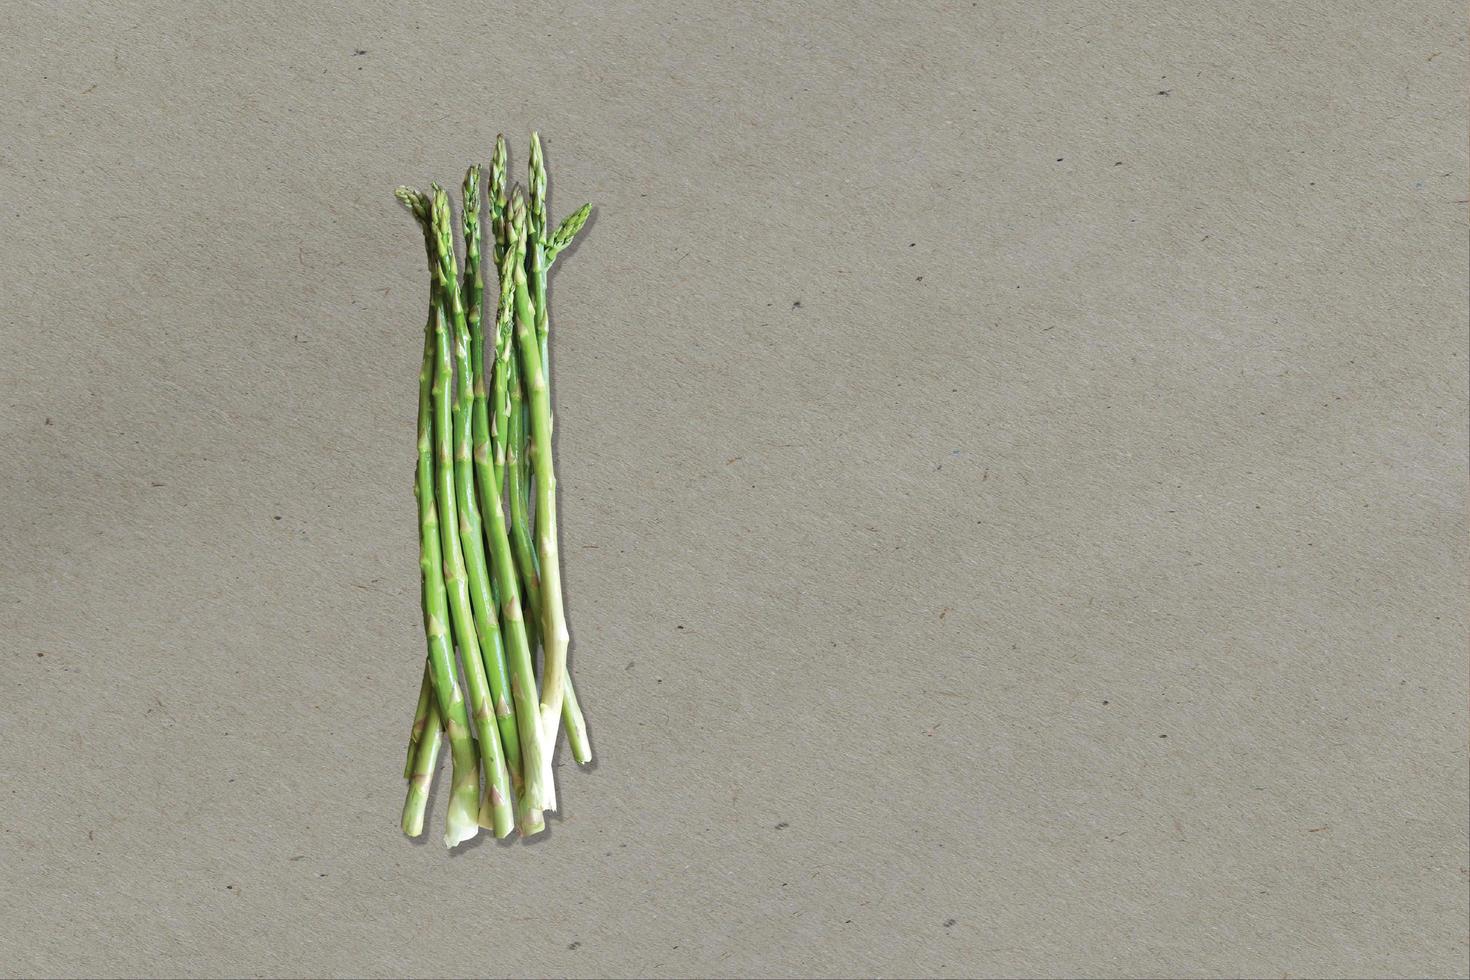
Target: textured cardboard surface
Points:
(1013, 463)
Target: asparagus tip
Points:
(413, 200)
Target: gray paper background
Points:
(1013, 466)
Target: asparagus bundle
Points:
(485, 482)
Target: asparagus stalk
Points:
(464, 792)
(536, 249)
(500, 402)
(518, 468)
(542, 247)
(420, 719)
(535, 263)
(515, 384)
(554, 636)
(526, 447)
(500, 423)
(421, 773)
(571, 716)
(526, 561)
(484, 484)
(535, 748)
(499, 174)
(524, 444)
(471, 610)
(419, 769)
(545, 245)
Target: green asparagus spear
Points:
(500, 400)
(499, 174)
(518, 468)
(554, 636)
(484, 481)
(420, 716)
(464, 792)
(500, 431)
(472, 291)
(536, 251)
(571, 716)
(471, 609)
(542, 248)
(526, 447)
(526, 561)
(536, 188)
(566, 232)
(535, 265)
(421, 773)
(535, 748)
(426, 686)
